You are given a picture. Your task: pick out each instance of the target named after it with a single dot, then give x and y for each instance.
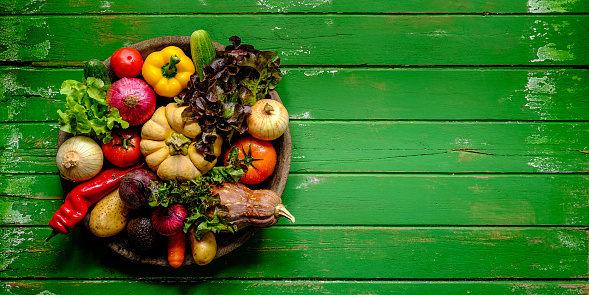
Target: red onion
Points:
(134, 99)
(168, 221)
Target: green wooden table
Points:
(439, 147)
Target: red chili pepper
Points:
(85, 195)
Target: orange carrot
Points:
(176, 249)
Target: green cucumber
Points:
(95, 68)
(203, 51)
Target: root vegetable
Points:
(109, 216)
(135, 188)
(176, 249)
(203, 250)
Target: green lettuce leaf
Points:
(86, 111)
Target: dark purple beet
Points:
(134, 188)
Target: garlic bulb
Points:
(268, 120)
(79, 158)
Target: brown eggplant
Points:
(246, 207)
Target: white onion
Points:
(268, 120)
(79, 158)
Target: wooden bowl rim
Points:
(277, 181)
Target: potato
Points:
(203, 251)
(109, 216)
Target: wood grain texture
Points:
(322, 253)
(373, 200)
(317, 39)
(298, 6)
(32, 94)
(234, 287)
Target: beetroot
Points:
(135, 188)
(168, 221)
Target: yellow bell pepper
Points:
(168, 71)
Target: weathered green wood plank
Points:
(28, 147)
(230, 287)
(317, 39)
(438, 199)
(41, 135)
(383, 146)
(350, 200)
(440, 147)
(436, 94)
(18, 211)
(323, 252)
(28, 161)
(32, 94)
(307, 6)
(39, 186)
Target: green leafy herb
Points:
(204, 207)
(86, 110)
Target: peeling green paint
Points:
(540, 88)
(20, 95)
(550, 52)
(288, 5)
(10, 243)
(11, 85)
(18, 35)
(26, 7)
(8, 157)
(14, 214)
(550, 6)
(18, 185)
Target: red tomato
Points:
(126, 62)
(123, 150)
(260, 157)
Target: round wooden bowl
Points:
(225, 242)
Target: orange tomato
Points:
(259, 155)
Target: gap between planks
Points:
(305, 13)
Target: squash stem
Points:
(178, 144)
(281, 211)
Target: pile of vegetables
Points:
(144, 147)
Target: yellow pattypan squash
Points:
(167, 142)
